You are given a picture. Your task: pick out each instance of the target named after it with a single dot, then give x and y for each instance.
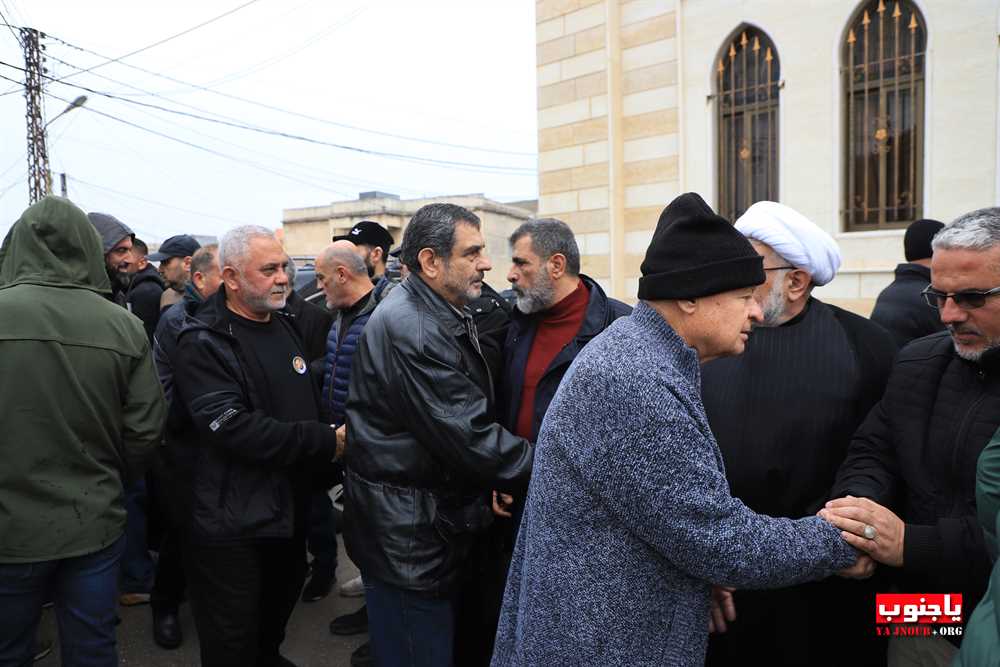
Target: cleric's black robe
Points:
(783, 414)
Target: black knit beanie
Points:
(917, 240)
(695, 253)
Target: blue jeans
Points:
(137, 566)
(408, 629)
(85, 592)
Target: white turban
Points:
(794, 237)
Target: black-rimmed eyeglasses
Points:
(966, 299)
(775, 268)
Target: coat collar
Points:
(682, 356)
(444, 312)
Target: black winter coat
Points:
(143, 299)
(238, 468)
(601, 311)
(916, 454)
(423, 446)
(901, 309)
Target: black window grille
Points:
(747, 77)
(883, 77)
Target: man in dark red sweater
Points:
(558, 311)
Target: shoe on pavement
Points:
(362, 656)
(355, 588)
(319, 586)
(167, 629)
(41, 649)
(350, 624)
(133, 599)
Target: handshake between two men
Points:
(875, 531)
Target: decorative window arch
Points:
(746, 87)
(884, 60)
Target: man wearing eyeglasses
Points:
(906, 492)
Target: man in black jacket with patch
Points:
(906, 492)
(245, 472)
(900, 307)
(424, 449)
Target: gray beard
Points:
(774, 305)
(538, 298)
(976, 355)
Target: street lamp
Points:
(78, 102)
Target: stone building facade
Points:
(633, 110)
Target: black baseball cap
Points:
(182, 245)
(370, 233)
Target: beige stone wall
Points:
(607, 123)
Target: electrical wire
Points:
(156, 203)
(289, 112)
(164, 40)
(450, 164)
(9, 26)
(211, 151)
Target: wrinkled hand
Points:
(341, 442)
(863, 568)
(501, 503)
(723, 609)
(852, 514)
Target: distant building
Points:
(863, 115)
(308, 230)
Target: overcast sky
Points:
(457, 72)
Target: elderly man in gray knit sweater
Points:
(629, 523)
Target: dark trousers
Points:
(322, 533)
(136, 565)
(85, 592)
(242, 596)
(408, 629)
(169, 582)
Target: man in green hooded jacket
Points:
(81, 413)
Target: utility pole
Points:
(62, 182)
(39, 178)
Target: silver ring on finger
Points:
(870, 532)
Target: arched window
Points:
(883, 75)
(747, 93)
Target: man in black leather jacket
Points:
(424, 450)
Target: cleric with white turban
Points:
(793, 236)
(783, 413)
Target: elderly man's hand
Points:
(501, 504)
(863, 568)
(869, 527)
(341, 442)
(723, 609)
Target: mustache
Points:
(963, 329)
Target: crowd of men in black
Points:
(447, 382)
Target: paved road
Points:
(308, 642)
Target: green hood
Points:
(53, 244)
